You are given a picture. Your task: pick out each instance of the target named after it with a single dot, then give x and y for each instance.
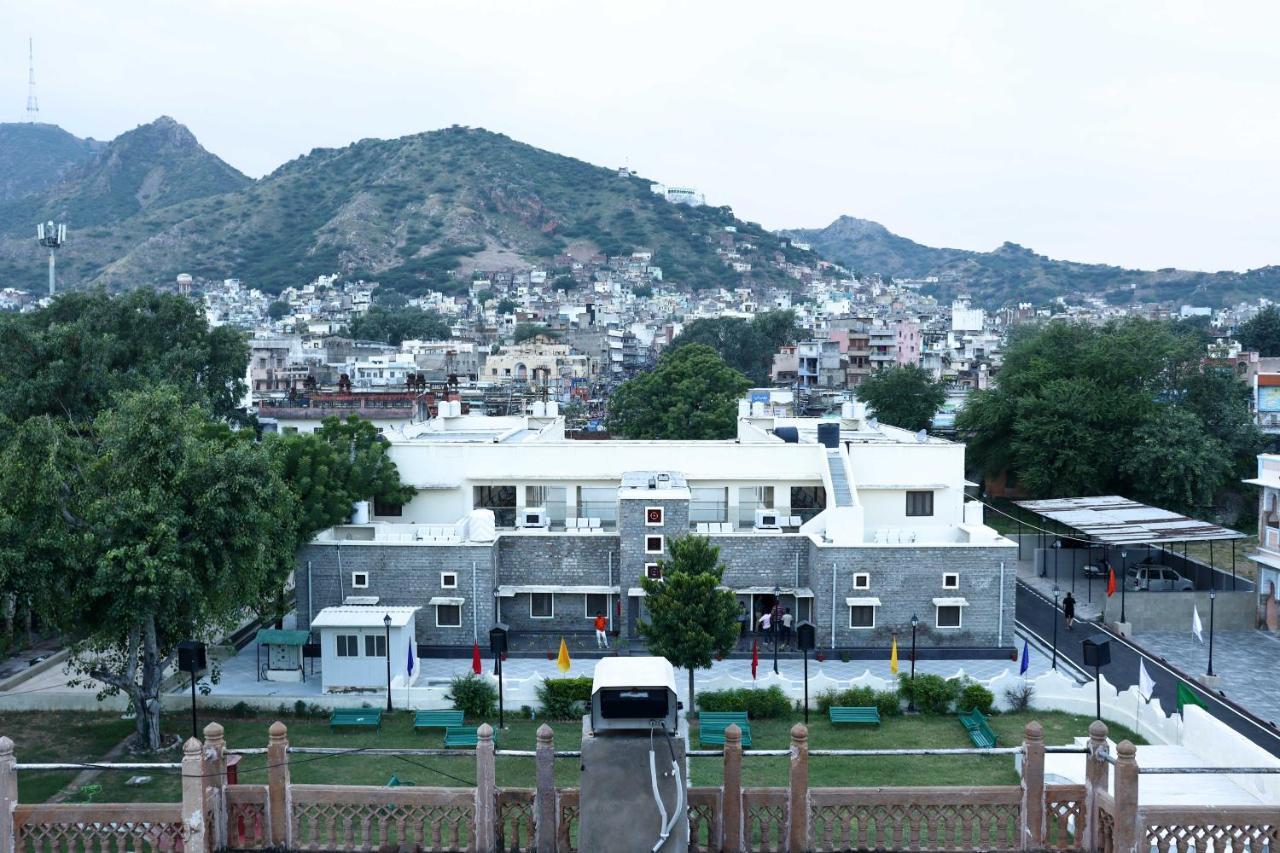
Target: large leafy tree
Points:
(690, 394)
(148, 525)
(906, 396)
(1261, 333)
(691, 618)
(746, 346)
(394, 325)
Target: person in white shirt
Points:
(766, 621)
(786, 627)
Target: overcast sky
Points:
(1142, 134)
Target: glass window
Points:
(919, 503)
(448, 580)
(707, 504)
(541, 605)
(596, 603)
(862, 616)
(808, 501)
(375, 645)
(381, 507)
(862, 580)
(653, 544)
(750, 499)
(501, 500)
(951, 580)
(448, 616)
(948, 616)
(347, 646)
(599, 502)
(359, 580)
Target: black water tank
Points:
(790, 435)
(829, 435)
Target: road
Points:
(1036, 613)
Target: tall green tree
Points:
(1261, 333)
(747, 346)
(394, 325)
(906, 396)
(691, 618)
(690, 394)
(148, 525)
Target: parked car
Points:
(1094, 570)
(1159, 579)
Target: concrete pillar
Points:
(1126, 797)
(8, 794)
(215, 777)
(544, 803)
(195, 833)
(1095, 781)
(486, 792)
(798, 804)
(1033, 787)
(731, 811)
(278, 800)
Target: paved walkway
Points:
(1248, 661)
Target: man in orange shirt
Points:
(602, 638)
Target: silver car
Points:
(1159, 579)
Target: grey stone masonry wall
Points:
(559, 559)
(632, 532)
(764, 559)
(906, 580)
(406, 575)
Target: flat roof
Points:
(1116, 520)
(362, 616)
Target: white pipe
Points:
(657, 798)
(833, 606)
(475, 614)
(1000, 638)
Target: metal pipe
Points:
(1217, 770)
(106, 766)
(1000, 618)
(833, 605)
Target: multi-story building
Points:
(536, 364)
(304, 411)
(1267, 557)
(855, 526)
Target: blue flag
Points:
(411, 659)
(1026, 658)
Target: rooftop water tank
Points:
(829, 435)
(790, 435)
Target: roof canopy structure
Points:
(1113, 520)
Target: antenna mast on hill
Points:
(33, 106)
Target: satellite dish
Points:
(922, 436)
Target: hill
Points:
(413, 213)
(1013, 273)
(34, 157)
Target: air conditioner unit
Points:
(534, 517)
(768, 519)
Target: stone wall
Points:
(559, 559)
(632, 533)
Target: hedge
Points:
(759, 704)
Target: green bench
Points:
(868, 716)
(356, 718)
(437, 719)
(711, 726)
(979, 732)
(456, 737)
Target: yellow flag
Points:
(893, 656)
(562, 660)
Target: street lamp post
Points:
(1056, 593)
(1057, 546)
(911, 697)
(775, 625)
(1212, 596)
(1124, 581)
(386, 625)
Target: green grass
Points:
(72, 736)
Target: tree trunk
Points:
(692, 704)
(148, 698)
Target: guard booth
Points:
(283, 655)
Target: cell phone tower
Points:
(33, 106)
(52, 237)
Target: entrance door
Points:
(761, 604)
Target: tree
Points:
(1261, 333)
(690, 617)
(690, 394)
(393, 326)
(277, 310)
(529, 331)
(1173, 464)
(747, 346)
(149, 525)
(564, 282)
(506, 306)
(642, 291)
(906, 396)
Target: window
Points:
(347, 646)
(595, 603)
(375, 645)
(708, 505)
(359, 580)
(950, 580)
(751, 498)
(654, 544)
(449, 580)
(808, 501)
(862, 616)
(653, 516)
(541, 605)
(381, 507)
(861, 580)
(500, 499)
(448, 616)
(919, 503)
(290, 430)
(653, 571)
(948, 616)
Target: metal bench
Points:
(356, 718)
(436, 720)
(979, 731)
(711, 726)
(463, 736)
(868, 716)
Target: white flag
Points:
(1197, 629)
(1146, 686)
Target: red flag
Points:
(476, 666)
(755, 658)
(1111, 581)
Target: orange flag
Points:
(1111, 581)
(562, 660)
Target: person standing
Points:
(602, 636)
(1069, 611)
(786, 627)
(766, 623)
(743, 619)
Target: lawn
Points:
(70, 736)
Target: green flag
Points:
(1186, 696)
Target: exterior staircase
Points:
(842, 496)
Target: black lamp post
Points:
(775, 623)
(1057, 546)
(386, 625)
(1212, 596)
(1124, 581)
(911, 697)
(1056, 593)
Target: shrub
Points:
(564, 698)
(1019, 698)
(300, 708)
(886, 701)
(933, 694)
(975, 696)
(474, 696)
(759, 704)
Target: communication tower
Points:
(52, 237)
(33, 106)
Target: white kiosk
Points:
(356, 642)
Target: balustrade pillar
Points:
(798, 801)
(731, 797)
(1095, 782)
(1126, 797)
(215, 772)
(486, 792)
(544, 803)
(195, 832)
(1032, 786)
(278, 797)
(8, 794)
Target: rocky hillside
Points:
(1013, 273)
(413, 213)
(34, 157)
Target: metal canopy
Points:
(1114, 520)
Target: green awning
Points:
(274, 637)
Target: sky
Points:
(1138, 133)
